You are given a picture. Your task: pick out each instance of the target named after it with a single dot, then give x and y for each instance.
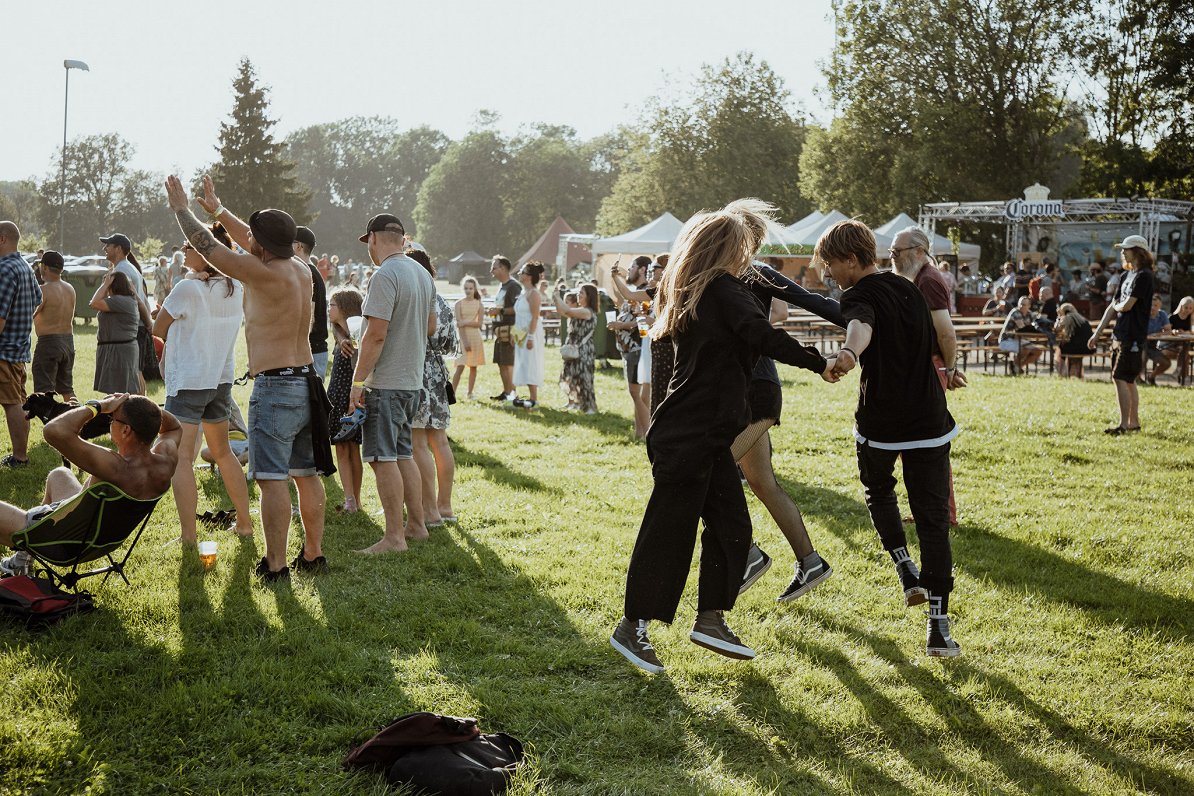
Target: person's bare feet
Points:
(384, 545)
(246, 531)
(416, 534)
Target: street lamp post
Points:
(68, 65)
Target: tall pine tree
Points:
(253, 173)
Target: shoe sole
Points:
(806, 588)
(753, 579)
(636, 660)
(916, 596)
(737, 652)
(937, 652)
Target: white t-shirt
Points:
(201, 341)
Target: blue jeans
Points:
(280, 429)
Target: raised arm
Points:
(623, 289)
(237, 229)
(62, 433)
(772, 283)
(243, 267)
(580, 313)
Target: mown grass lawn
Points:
(1074, 604)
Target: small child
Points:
(344, 303)
(901, 414)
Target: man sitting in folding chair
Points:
(140, 468)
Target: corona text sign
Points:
(1036, 202)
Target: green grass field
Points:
(1074, 605)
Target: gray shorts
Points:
(386, 436)
(54, 364)
(630, 365)
(208, 406)
(280, 429)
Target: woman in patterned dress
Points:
(576, 378)
(429, 427)
(468, 312)
(344, 303)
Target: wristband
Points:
(94, 406)
(358, 384)
(216, 213)
(851, 350)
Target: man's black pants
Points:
(926, 476)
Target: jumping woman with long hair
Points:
(718, 330)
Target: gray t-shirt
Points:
(134, 277)
(402, 293)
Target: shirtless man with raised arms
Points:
(277, 328)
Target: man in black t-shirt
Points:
(304, 242)
(901, 414)
(1132, 304)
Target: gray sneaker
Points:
(711, 632)
(19, 563)
(630, 639)
(757, 563)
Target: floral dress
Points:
(576, 379)
(339, 386)
(435, 411)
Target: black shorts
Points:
(1127, 362)
(503, 346)
(54, 364)
(766, 401)
(630, 365)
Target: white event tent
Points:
(967, 252)
(650, 239)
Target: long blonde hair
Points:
(709, 245)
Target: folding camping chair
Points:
(88, 526)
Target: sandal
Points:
(349, 425)
(1115, 431)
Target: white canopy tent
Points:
(967, 252)
(651, 238)
(809, 231)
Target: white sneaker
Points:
(19, 563)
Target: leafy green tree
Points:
(732, 135)
(461, 203)
(551, 171)
(1139, 97)
(97, 170)
(253, 172)
(920, 121)
(18, 203)
(358, 167)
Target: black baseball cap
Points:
(120, 240)
(305, 236)
(383, 222)
(52, 259)
(275, 230)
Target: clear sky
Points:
(161, 71)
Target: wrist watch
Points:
(94, 404)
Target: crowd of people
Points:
(697, 330)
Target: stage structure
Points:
(1080, 223)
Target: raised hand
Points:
(176, 195)
(209, 201)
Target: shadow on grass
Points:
(1012, 565)
(497, 470)
(616, 427)
(959, 714)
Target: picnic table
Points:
(1183, 357)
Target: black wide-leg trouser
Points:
(926, 477)
(711, 491)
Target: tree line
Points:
(933, 100)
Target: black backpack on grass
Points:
(440, 755)
(37, 602)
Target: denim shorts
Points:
(280, 429)
(386, 435)
(209, 406)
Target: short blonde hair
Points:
(844, 240)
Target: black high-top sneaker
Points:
(939, 643)
(914, 593)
